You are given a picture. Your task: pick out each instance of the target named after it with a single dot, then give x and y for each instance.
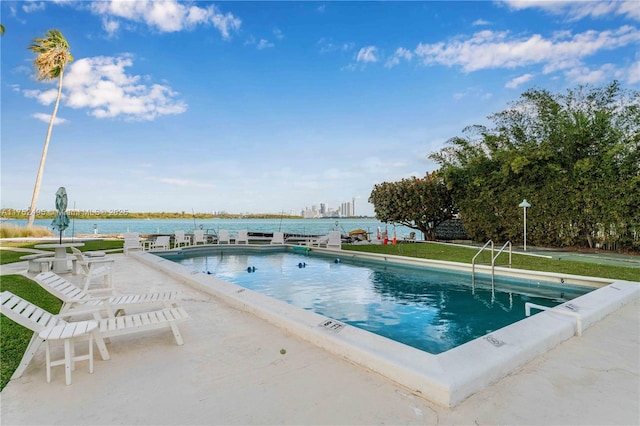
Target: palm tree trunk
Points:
(36, 188)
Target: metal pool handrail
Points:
(473, 261)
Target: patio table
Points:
(60, 263)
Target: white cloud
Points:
(44, 97)
(367, 54)
(473, 92)
(327, 45)
(633, 76)
(111, 26)
(264, 44)
(400, 54)
(514, 83)
(46, 118)
(165, 15)
(480, 22)
(102, 85)
(33, 6)
(576, 10)
(489, 49)
(585, 75)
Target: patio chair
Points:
(180, 239)
(198, 237)
(332, 240)
(223, 237)
(242, 237)
(319, 242)
(131, 242)
(93, 267)
(278, 238)
(335, 240)
(46, 325)
(76, 301)
(161, 242)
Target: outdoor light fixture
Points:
(524, 204)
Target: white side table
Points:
(69, 332)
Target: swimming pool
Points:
(430, 309)
(446, 378)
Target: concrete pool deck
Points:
(230, 371)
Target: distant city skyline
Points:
(345, 209)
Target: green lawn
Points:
(456, 253)
(14, 338)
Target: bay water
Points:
(169, 226)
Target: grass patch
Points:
(15, 338)
(9, 256)
(9, 230)
(460, 254)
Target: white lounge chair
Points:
(76, 301)
(278, 238)
(332, 240)
(131, 242)
(242, 237)
(198, 237)
(319, 242)
(93, 267)
(162, 242)
(223, 237)
(180, 239)
(335, 240)
(46, 325)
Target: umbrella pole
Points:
(60, 237)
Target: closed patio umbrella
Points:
(61, 221)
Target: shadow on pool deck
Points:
(231, 371)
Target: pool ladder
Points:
(493, 261)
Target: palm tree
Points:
(53, 56)
(1, 29)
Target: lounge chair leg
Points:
(104, 353)
(48, 361)
(34, 344)
(68, 361)
(91, 353)
(176, 333)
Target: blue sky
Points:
(265, 107)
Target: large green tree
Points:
(574, 156)
(418, 203)
(53, 54)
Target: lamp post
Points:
(524, 204)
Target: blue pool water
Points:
(433, 310)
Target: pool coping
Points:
(447, 378)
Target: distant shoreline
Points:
(11, 214)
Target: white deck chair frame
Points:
(198, 237)
(242, 237)
(76, 301)
(223, 237)
(131, 242)
(37, 319)
(278, 238)
(161, 242)
(181, 239)
(95, 267)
